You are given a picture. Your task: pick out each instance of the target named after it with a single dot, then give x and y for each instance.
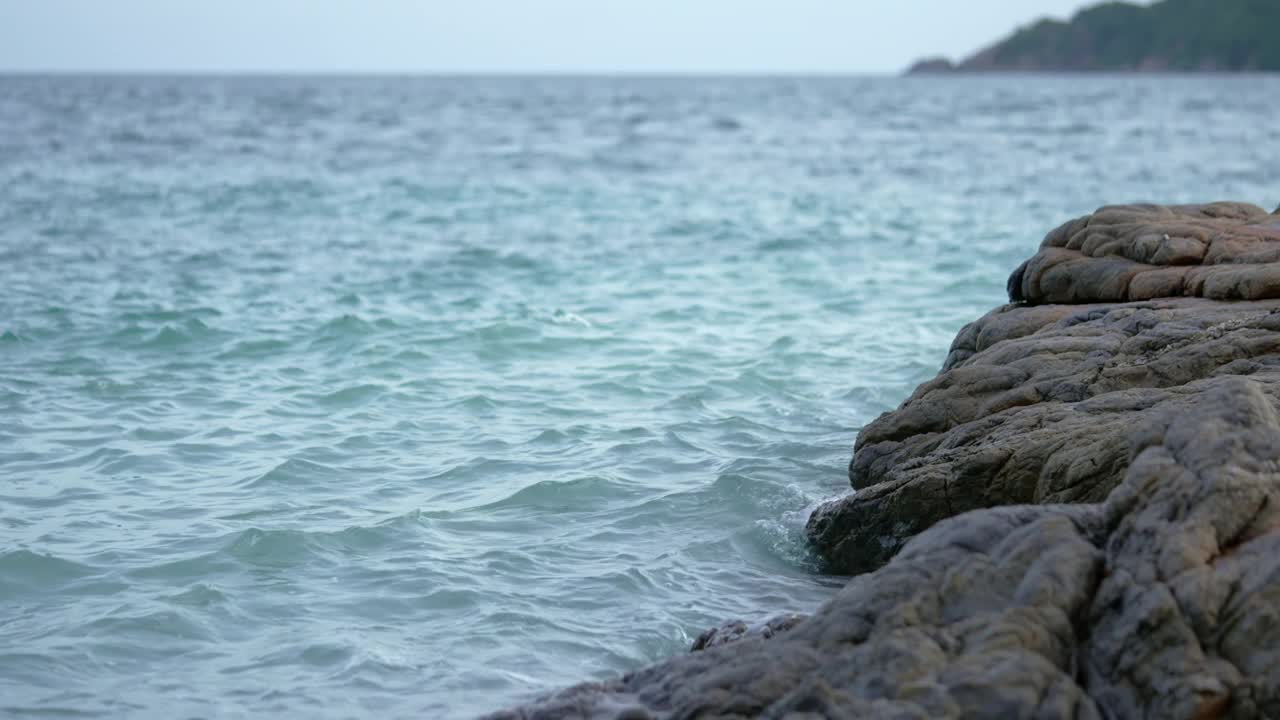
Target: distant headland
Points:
(1167, 36)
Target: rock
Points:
(893, 645)
(1035, 405)
(1185, 622)
(1035, 401)
(1078, 518)
(1223, 251)
(932, 66)
(736, 630)
(1162, 601)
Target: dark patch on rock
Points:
(1014, 286)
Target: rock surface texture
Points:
(1036, 402)
(1078, 518)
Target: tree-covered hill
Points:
(1171, 35)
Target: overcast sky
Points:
(502, 35)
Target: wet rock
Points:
(736, 630)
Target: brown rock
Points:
(1036, 405)
(1222, 251)
(1035, 401)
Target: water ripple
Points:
(413, 397)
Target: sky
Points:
(494, 36)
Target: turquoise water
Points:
(415, 397)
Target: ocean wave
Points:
(578, 495)
(24, 571)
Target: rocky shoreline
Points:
(1079, 517)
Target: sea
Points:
(343, 397)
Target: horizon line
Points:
(586, 74)
(296, 72)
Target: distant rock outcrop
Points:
(1078, 518)
(1172, 35)
(932, 66)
